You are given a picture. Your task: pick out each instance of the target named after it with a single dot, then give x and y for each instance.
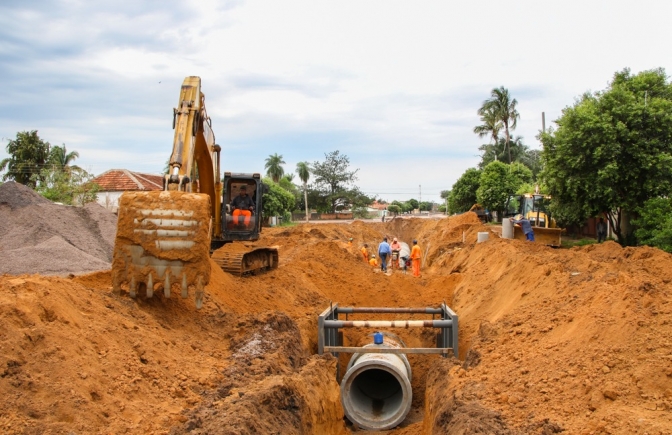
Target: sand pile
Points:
(551, 340)
(39, 236)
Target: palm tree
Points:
(61, 159)
(274, 168)
(303, 170)
(504, 108)
(490, 127)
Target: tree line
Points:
(610, 156)
(332, 189)
(47, 169)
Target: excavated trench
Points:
(546, 335)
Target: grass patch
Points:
(570, 243)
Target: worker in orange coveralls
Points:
(415, 258)
(373, 262)
(242, 206)
(365, 252)
(395, 246)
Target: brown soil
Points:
(572, 341)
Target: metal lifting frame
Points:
(330, 338)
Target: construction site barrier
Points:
(376, 390)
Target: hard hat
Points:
(351, 239)
(373, 256)
(395, 239)
(518, 217)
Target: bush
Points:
(654, 225)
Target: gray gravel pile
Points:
(39, 236)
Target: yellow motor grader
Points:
(165, 238)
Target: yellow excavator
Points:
(165, 238)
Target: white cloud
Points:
(391, 84)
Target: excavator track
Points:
(247, 262)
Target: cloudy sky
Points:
(394, 85)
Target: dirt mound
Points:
(551, 340)
(39, 236)
(54, 256)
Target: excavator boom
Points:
(164, 239)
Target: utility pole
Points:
(543, 122)
(420, 187)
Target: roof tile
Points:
(121, 180)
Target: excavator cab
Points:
(241, 223)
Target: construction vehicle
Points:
(534, 207)
(165, 238)
(482, 214)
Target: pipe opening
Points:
(377, 392)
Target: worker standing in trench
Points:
(395, 246)
(383, 252)
(365, 252)
(415, 257)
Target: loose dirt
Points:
(573, 341)
(38, 236)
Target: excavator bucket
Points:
(163, 239)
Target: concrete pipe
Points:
(376, 390)
(507, 228)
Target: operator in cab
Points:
(242, 206)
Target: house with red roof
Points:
(117, 181)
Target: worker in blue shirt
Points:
(383, 251)
(525, 225)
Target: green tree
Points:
(654, 224)
(490, 127)
(393, 208)
(274, 167)
(463, 194)
(277, 201)
(612, 150)
(28, 156)
(413, 204)
(496, 184)
(61, 159)
(303, 169)
(67, 187)
(500, 107)
(519, 175)
(331, 191)
(426, 206)
(402, 206)
(499, 152)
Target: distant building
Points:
(377, 209)
(117, 181)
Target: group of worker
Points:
(392, 250)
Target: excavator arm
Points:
(194, 142)
(163, 238)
